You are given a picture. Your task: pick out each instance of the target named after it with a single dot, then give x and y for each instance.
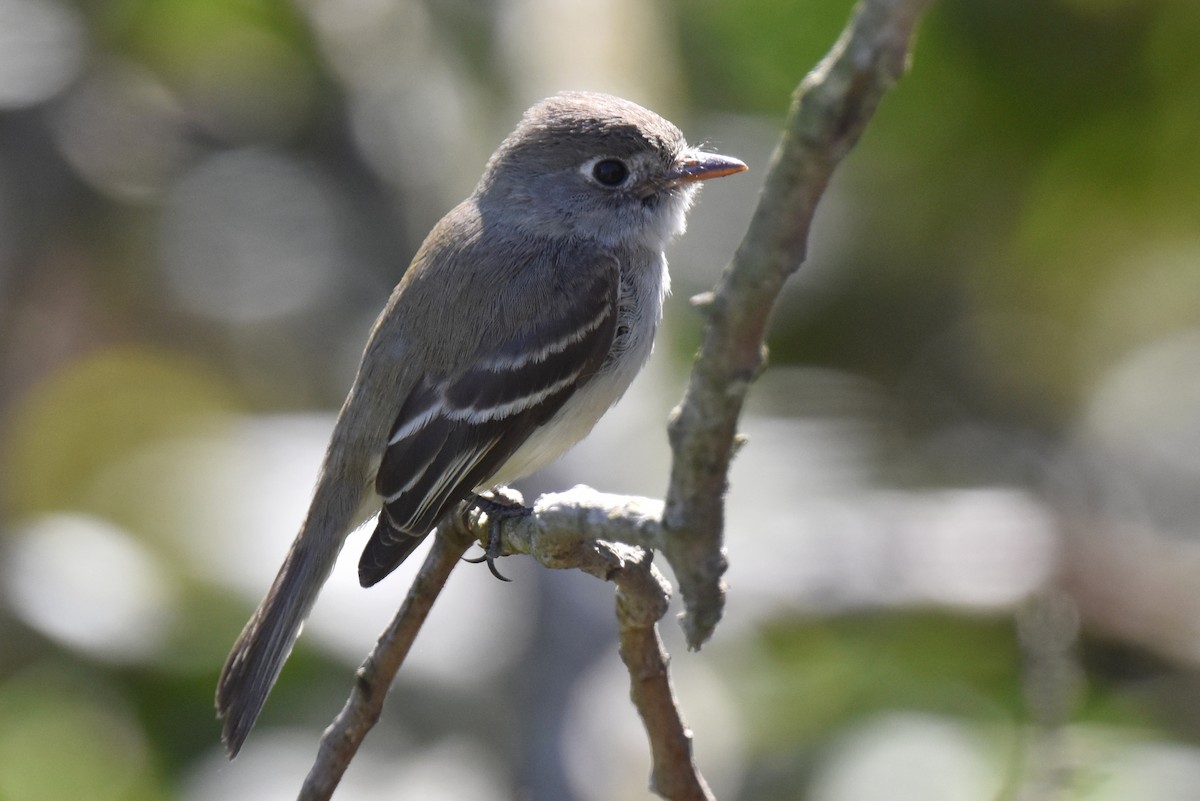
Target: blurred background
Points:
(964, 537)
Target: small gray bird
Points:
(524, 316)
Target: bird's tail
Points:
(259, 653)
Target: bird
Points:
(522, 318)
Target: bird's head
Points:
(596, 166)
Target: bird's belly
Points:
(572, 423)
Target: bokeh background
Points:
(964, 531)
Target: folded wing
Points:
(455, 431)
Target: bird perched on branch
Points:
(523, 317)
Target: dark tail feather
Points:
(265, 642)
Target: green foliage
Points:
(102, 410)
(809, 678)
(748, 56)
(51, 711)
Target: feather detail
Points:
(454, 431)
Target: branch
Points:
(341, 740)
(573, 529)
(830, 109)
(674, 774)
(612, 537)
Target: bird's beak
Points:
(697, 166)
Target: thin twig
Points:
(642, 597)
(566, 531)
(574, 530)
(830, 109)
(341, 740)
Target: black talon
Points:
(491, 563)
(497, 512)
(496, 571)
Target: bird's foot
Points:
(498, 509)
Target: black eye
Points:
(610, 172)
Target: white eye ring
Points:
(607, 171)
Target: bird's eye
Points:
(610, 172)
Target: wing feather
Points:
(456, 429)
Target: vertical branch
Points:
(642, 596)
(829, 112)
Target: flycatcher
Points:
(523, 317)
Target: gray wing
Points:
(454, 431)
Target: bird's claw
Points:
(497, 512)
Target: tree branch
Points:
(341, 740)
(830, 109)
(674, 774)
(573, 529)
(612, 537)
